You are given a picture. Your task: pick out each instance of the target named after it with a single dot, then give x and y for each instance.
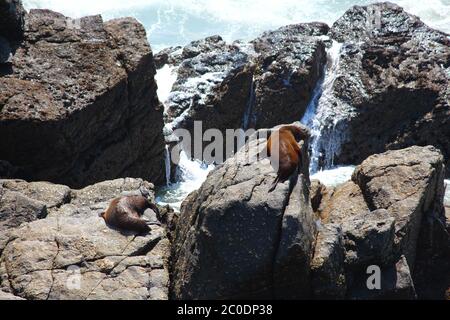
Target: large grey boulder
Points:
(409, 184)
(400, 228)
(73, 254)
(78, 102)
(234, 239)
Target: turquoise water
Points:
(177, 22)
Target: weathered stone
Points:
(369, 238)
(327, 266)
(9, 296)
(394, 65)
(342, 202)
(16, 208)
(409, 184)
(235, 240)
(317, 191)
(400, 228)
(289, 63)
(296, 240)
(258, 84)
(396, 283)
(79, 103)
(53, 195)
(73, 254)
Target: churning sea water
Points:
(177, 22)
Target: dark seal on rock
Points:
(125, 213)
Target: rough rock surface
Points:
(289, 63)
(394, 218)
(71, 253)
(394, 65)
(259, 84)
(327, 265)
(213, 86)
(236, 240)
(78, 102)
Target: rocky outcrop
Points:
(234, 239)
(213, 86)
(259, 84)
(78, 102)
(289, 63)
(390, 64)
(390, 215)
(69, 252)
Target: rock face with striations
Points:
(78, 102)
(68, 252)
(390, 64)
(234, 239)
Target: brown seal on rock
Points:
(125, 213)
(289, 157)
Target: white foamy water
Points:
(191, 173)
(335, 176)
(165, 78)
(323, 117)
(447, 193)
(177, 22)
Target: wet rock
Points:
(236, 240)
(171, 56)
(77, 101)
(213, 86)
(289, 63)
(394, 65)
(257, 84)
(79, 256)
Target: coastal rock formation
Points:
(213, 86)
(390, 64)
(68, 252)
(259, 84)
(289, 63)
(234, 239)
(394, 218)
(78, 102)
